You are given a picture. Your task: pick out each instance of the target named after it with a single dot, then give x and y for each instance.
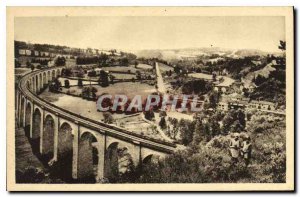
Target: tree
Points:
(112, 78)
(103, 79)
(215, 128)
(60, 61)
(214, 76)
(138, 75)
(177, 69)
(102, 59)
(67, 83)
(234, 121)
(28, 64)
(149, 115)
(124, 62)
(136, 64)
(259, 80)
(92, 73)
(174, 131)
(198, 86)
(197, 136)
(162, 123)
(187, 129)
(162, 114)
(282, 45)
(66, 72)
(80, 83)
(89, 92)
(55, 86)
(32, 67)
(213, 99)
(85, 92)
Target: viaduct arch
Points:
(89, 150)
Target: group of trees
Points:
(104, 79)
(60, 61)
(89, 92)
(46, 48)
(273, 88)
(107, 60)
(149, 114)
(208, 160)
(101, 60)
(55, 86)
(204, 127)
(198, 86)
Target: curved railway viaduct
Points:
(90, 147)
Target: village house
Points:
(22, 51)
(221, 88)
(223, 106)
(245, 103)
(36, 53)
(262, 105)
(28, 52)
(44, 54)
(25, 52)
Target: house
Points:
(221, 88)
(223, 106)
(98, 71)
(262, 105)
(36, 53)
(241, 104)
(45, 54)
(22, 51)
(28, 52)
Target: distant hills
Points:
(169, 54)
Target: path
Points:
(160, 82)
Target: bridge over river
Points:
(91, 147)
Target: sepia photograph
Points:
(150, 99)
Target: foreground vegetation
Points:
(208, 162)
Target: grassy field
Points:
(144, 66)
(200, 76)
(22, 71)
(133, 123)
(163, 68)
(127, 88)
(120, 69)
(123, 76)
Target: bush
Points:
(107, 118)
(30, 175)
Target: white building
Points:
(22, 52)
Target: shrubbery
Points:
(210, 162)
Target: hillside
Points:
(265, 72)
(168, 54)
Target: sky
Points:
(154, 32)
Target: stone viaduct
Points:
(90, 147)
